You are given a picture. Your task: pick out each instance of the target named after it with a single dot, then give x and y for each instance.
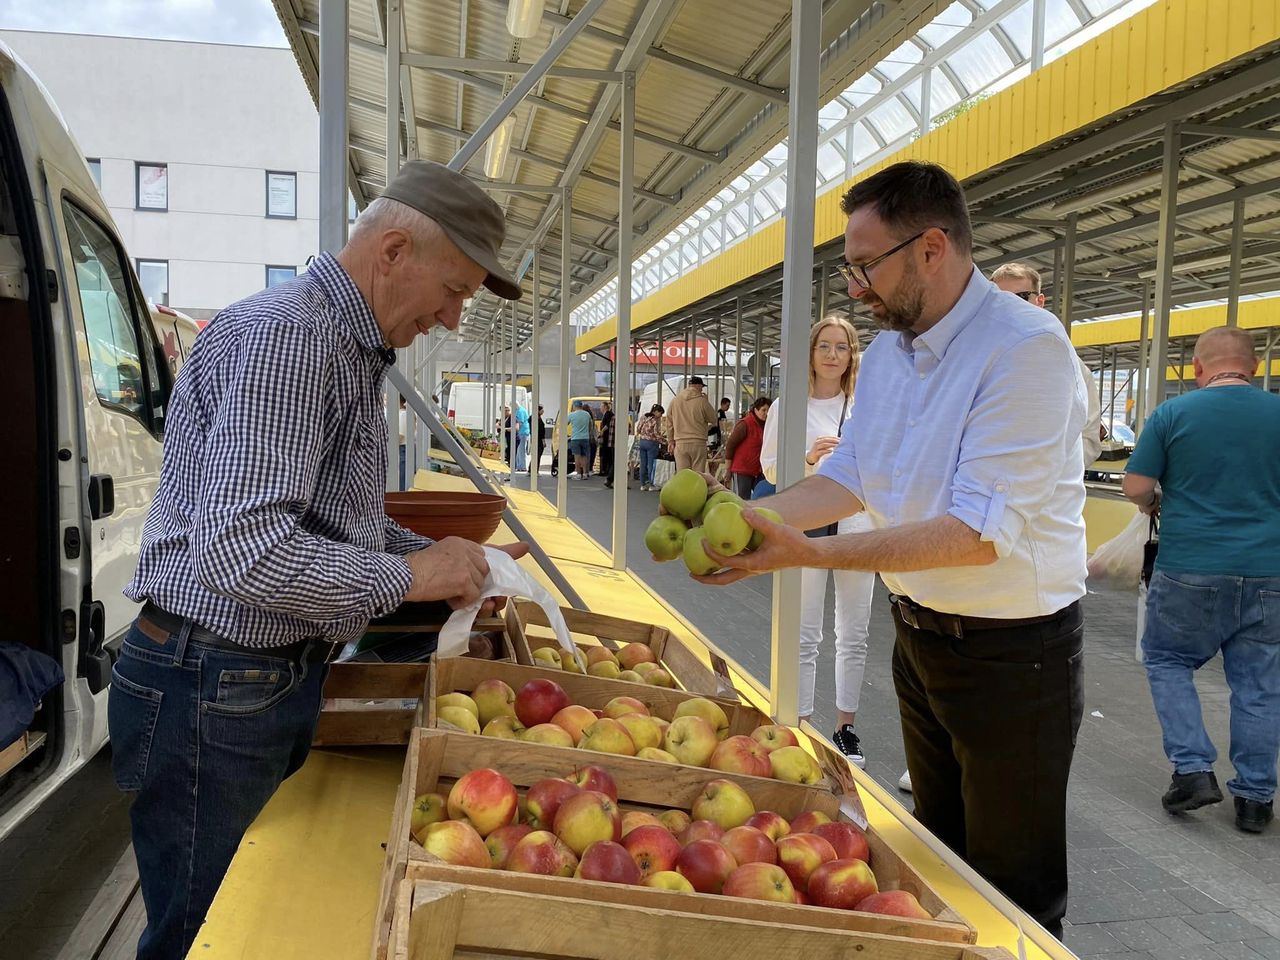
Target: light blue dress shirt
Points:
(980, 418)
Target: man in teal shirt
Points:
(522, 438)
(1216, 585)
(579, 437)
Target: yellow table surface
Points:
(304, 881)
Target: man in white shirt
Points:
(965, 452)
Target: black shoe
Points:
(847, 742)
(1252, 816)
(1191, 791)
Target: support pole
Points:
(622, 365)
(394, 439)
(515, 380)
(661, 383)
(1068, 275)
(1144, 371)
(737, 358)
(797, 314)
(757, 360)
(1115, 363)
(1266, 360)
(1037, 34)
(566, 355)
(535, 335)
(1057, 280)
(1237, 258)
(333, 125)
(1164, 262)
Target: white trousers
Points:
(853, 611)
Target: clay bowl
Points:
(472, 516)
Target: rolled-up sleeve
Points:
(1024, 424)
(842, 464)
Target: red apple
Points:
(586, 817)
(841, 884)
(594, 778)
(634, 819)
(894, 903)
(802, 853)
(741, 755)
(455, 841)
(701, 830)
(540, 700)
(542, 852)
(749, 845)
(772, 825)
(599, 655)
(772, 736)
(706, 865)
(607, 861)
(544, 799)
(574, 719)
(634, 653)
(502, 841)
(802, 900)
(806, 821)
(653, 849)
(760, 881)
(607, 735)
(847, 840)
(621, 706)
(677, 821)
(485, 799)
(548, 734)
(669, 880)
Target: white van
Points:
(88, 382)
(465, 403)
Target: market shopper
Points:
(690, 417)
(1216, 584)
(965, 452)
(579, 421)
(607, 433)
(542, 439)
(267, 545)
(649, 437)
(521, 429)
(742, 449)
(833, 372)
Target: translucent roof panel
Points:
(979, 62)
(1060, 20)
(864, 145)
(900, 61)
(942, 94)
(952, 21)
(892, 120)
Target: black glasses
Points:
(860, 273)
(1024, 294)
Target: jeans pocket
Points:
(246, 692)
(132, 712)
(1270, 601)
(1184, 607)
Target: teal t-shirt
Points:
(1214, 452)
(579, 425)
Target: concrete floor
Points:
(1144, 885)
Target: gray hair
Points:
(385, 214)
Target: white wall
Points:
(220, 116)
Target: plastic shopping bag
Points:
(1142, 620)
(1118, 562)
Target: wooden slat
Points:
(363, 728)
(105, 910)
(20, 749)
(375, 681)
(123, 943)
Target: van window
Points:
(121, 365)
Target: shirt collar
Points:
(938, 337)
(350, 302)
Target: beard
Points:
(904, 307)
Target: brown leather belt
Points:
(161, 626)
(954, 624)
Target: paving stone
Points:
(1090, 939)
(1137, 934)
(1150, 877)
(1198, 901)
(1220, 927)
(1236, 950)
(1268, 947)
(1204, 952)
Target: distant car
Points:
(1121, 433)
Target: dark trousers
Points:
(606, 463)
(989, 723)
(744, 483)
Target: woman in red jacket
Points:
(743, 449)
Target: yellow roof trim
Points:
(1189, 322)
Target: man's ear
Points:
(1040, 299)
(395, 247)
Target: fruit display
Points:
(695, 520)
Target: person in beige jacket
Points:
(688, 420)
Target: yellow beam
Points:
(1158, 48)
(1191, 322)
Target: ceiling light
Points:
(1191, 266)
(495, 153)
(524, 17)
(1110, 192)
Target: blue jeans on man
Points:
(1190, 618)
(522, 453)
(202, 736)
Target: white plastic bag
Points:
(505, 579)
(1142, 620)
(1118, 562)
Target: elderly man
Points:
(267, 545)
(690, 416)
(964, 449)
(1216, 585)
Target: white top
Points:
(823, 421)
(1092, 435)
(980, 418)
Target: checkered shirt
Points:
(268, 525)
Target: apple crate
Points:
(436, 758)
(529, 630)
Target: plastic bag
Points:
(1142, 620)
(1118, 562)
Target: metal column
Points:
(661, 382)
(1266, 360)
(1068, 275)
(1164, 263)
(757, 359)
(515, 379)
(392, 58)
(1144, 372)
(797, 315)
(333, 125)
(566, 355)
(737, 357)
(622, 363)
(535, 335)
(1237, 256)
(1037, 34)
(1115, 362)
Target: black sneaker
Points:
(1191, 791)
(847, 742)
(1252, 816)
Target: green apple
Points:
(717, 498)
(548, 657)
(695, 554)
(757, 537)
(684, 494)
(665, 537)
(725, 529)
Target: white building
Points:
(206, 154)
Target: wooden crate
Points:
(439, 920)
(685, 667)
(367, 704)
(436, 758)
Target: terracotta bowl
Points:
(472, 516)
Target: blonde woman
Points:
(833, 368)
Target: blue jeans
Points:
(648, 450)
(1190, 617)
(522, 453)
(202, 737)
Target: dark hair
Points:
(761, 402)
(913, 196)
(695, 382)
(724, 400)
(656, 408)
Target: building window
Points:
(152, 181)
(282, 195)
(154, 277)
(277, 275)
(95, 170)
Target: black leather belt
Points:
(953, 624)
(161, 626)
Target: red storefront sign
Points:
(673, 353)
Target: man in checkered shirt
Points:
(267, 543)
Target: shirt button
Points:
(911, 423)
(922, 376)
(1001, 488)
(897, 473)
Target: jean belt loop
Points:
(183, 635)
